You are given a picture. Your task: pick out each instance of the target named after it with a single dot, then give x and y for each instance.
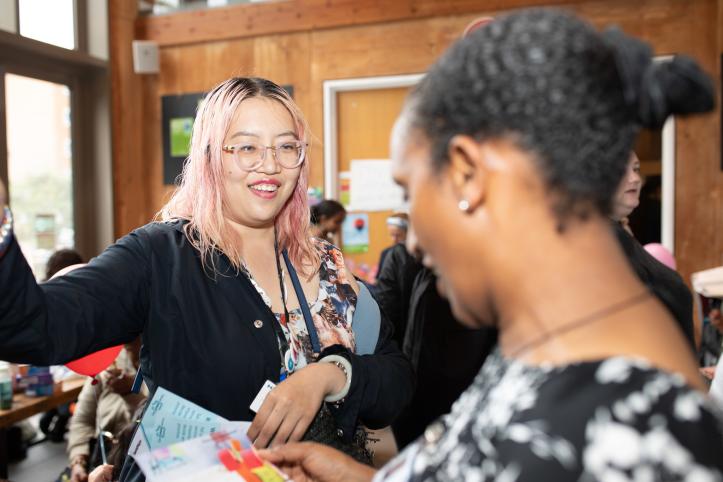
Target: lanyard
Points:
(284, 349)
(308, 320)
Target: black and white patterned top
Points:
(618, 419)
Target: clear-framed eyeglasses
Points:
(249, 156)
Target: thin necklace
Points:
(575, 324)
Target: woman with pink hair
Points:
(218, 287)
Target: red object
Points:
(93, 364)
(359, 224)
(228, 460)
(251, 459)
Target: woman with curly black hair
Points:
(516, 141)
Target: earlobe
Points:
(467, 172)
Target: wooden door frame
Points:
(331, 119)
(667, 177)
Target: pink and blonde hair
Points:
(199, 198)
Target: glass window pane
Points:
(7, 17)
(50, 21)
(40, 175)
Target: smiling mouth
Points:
(265, 187)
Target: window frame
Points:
(80, 24)
(80, 72)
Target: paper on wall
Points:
(372, 186)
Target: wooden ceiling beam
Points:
(288, 16)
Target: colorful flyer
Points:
(223, 456)
(170, 419)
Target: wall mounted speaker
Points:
(145, 57)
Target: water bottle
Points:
(6, 386)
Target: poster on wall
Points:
(177, 113)
(372, 187)
(355, 233)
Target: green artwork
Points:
(181, 136)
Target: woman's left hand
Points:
(292, 405)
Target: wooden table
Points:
(25, 407)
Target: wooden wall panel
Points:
(698, 212)
(131, 191)
(327, 40)
(374, 50)
(219, 24)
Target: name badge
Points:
(261, 396)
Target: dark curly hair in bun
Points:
(572, 97)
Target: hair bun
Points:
(656, 90)
(677, 86)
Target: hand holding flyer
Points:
(178, 441)
(222, 456)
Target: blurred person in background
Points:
(664, 282)
(397, 227)
(105, 406)
(53, 423)
(327, 216)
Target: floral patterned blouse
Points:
(618, 419)
(332, 311)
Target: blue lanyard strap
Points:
(313, 336)
(137, 382)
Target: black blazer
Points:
(200, 339)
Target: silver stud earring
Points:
(463, 206)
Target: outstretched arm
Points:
(100, 305)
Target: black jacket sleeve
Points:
(393, 289)
(382, 385)
(94, 307)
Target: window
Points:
(40, 175)
(49, 21)
(55, 152)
